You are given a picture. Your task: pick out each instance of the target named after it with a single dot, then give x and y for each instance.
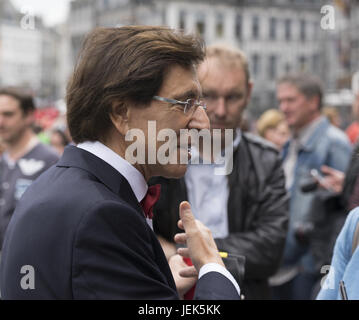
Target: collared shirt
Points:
(295, 145)
(208, 193)
(140, 187)
(134, 177)
(131, 174)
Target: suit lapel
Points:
(109, 176)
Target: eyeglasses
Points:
(189, 104)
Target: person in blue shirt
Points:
(344, 265)
(314, 143)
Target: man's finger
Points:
(331, 171)
(326, 170)
(180, 238)
(183, 252)
(188, 272)
(187, 218)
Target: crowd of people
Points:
(81, 215)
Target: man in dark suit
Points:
(80, 230)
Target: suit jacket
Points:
(82, 230)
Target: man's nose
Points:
(220, 108)
(283, 106)
(199, 120)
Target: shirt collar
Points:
(305, 134)
(129, 172)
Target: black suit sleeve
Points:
(215, 286)
(115, 257)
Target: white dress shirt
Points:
(208, 193)
(140, 187)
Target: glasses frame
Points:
(185, 103)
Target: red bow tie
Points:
(152, 196)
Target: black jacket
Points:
(83, 232)
(257, 212)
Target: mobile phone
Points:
(316, 175)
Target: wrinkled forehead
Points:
(214, 74)
(180, 82)
(230, 62)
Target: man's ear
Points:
(30, 117)
(314, 102)
(249, 90)
(119, 117)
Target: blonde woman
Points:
(272, 126)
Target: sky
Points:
(52, 12)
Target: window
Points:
(182, 20)
(316, 59)
(287, 29)
(302, 30)
(238, 31)
(219, 25)
(200, 27)
(255, 27)
(272, 28)
(272, 99)
(200, 24)
(272, 67)
(302, 63)
(256, 64)
(287, 67)
(105, 4)
(316, 30)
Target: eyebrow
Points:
(233, 91)
(188, 95)
(7, 113)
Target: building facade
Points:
(28, 52)
(278, 36)
(354, 35)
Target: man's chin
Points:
(173, 171)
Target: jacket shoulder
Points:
(337, 135)
(260, 143)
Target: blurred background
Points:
(40, 41)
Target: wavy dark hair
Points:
(123, 65)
